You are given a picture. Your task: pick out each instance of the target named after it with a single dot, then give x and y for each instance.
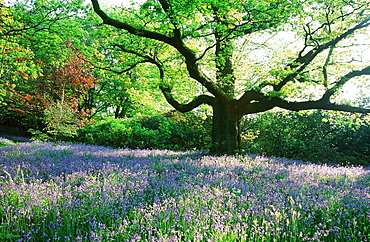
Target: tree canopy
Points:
(224, 47)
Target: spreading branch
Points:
(330, 92)
(256, 102)
(320, 104)
(300, 63)
(122, 25)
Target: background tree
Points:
(122, 96)
(35, 29)
(16, 60)
(205, 42)
(40, 66)
(59, 88)
(130, 86)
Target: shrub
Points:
(60, 121)
(325, 136)
(169, 130)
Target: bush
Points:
(60, 121)
(324, 136)
(170, 130)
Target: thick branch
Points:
(121, 25)
(255, 102)
(167, 8)
(249, 97)
(320, 104)
(324, 70)
(199, 100)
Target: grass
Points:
(74, 192)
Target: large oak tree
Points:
(206, 40)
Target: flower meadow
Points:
(77, 192)
(5, 141)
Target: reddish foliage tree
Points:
(65, 84)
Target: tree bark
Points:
(225, 129)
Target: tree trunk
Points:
(225, 130)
